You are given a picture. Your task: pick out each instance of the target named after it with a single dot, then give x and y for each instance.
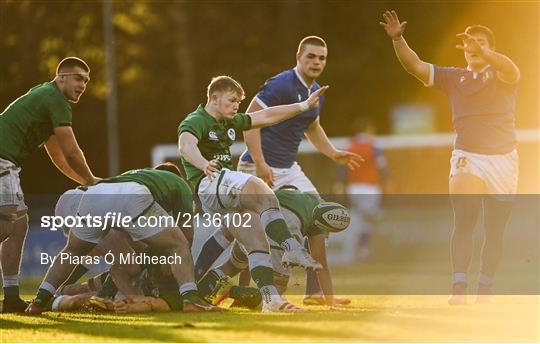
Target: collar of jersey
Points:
(203, 110)
(475, 74)
(57, 89)
(300, 78)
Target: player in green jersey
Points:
(205, 137)
(129, 202)
(40, 117)
(297, 208)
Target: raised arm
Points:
(65, 153)
(406, 56)
(505, 67)
(187, 143)
(276, 114)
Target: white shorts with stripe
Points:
(222, 193)
(10, 186)
(499, 172)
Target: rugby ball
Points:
(331, 217)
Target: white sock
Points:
(11, 280)
(218, 272)
(270, 294)
(459, 277)
(48, 287)
(187, 287)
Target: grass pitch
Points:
(370, 318)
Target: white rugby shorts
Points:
(222, 193)
(283, 176)
(128, 199)
(10, 186)
(499, 172)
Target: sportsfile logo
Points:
(117, 220)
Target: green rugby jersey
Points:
(215, 138)
(29, 121)
(301, 204)
(169, 190)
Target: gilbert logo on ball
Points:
(332, 217)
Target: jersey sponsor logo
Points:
(212, 136)
(462, 79)
(231, 133)
(222, 157)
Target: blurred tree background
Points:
(166, 52)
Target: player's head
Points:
(224, 95)
(72, 75)
(311, 57)
(485, 38)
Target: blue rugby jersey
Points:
(483, 108)
(280, 141)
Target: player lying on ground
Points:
(154, 289)
(205, 137)
(137, 193)
(484, 163)
(302, 212)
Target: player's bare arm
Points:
(317, 136)
(253, 141)
(276, 114)
(187, 144)
(406, 56)
(318, 251)
(65, 153)
(505, 67)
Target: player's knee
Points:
(257, 195)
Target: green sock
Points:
(277, 230)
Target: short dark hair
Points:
(224, 83)
(170, 167)
(72, 61)
(310, 40)
(482, 29)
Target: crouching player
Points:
(205, 137)
(305, 214)
(137, 193)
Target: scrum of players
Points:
(290, 222)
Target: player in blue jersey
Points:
(484, 163)
(272, 151)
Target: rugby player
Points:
(205, 137)
(272, 151)
(297, 208)
(42, 116)
(137, 193)
(484, 163)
